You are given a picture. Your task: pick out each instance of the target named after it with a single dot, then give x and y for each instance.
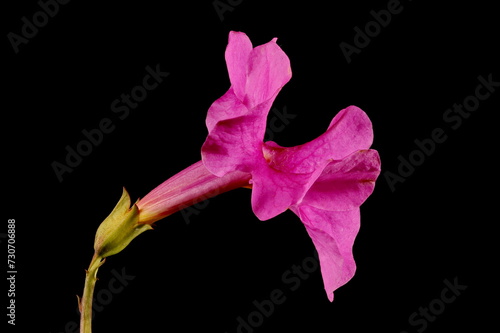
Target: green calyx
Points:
(119, 228)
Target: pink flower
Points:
(323, 181)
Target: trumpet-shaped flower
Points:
(323, 181)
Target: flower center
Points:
(267, 154)
(271, 151)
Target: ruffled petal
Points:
(256, 74)
(345, 184)
(268, 71)
(235, 144)
(349, 131)
(238, 52)
(228, 106)
(333, 235)
(290, 172)
(274, 192)
(237, 121)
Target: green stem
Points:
(85, 303)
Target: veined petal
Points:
(237, 54)
(236, 144)
(333, 235)
(226, 107)
(273, 192)
(256, 74)
(349, 131)
(268, 71)
(345, 184)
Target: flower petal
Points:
(237, 121)
(333, 235)
(349, 131)
(345, 184)
(235, 144)
(257, 75)
(226, 107)
(268, 71)
(237, 54)
(273, 192)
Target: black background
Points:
(200, 276)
